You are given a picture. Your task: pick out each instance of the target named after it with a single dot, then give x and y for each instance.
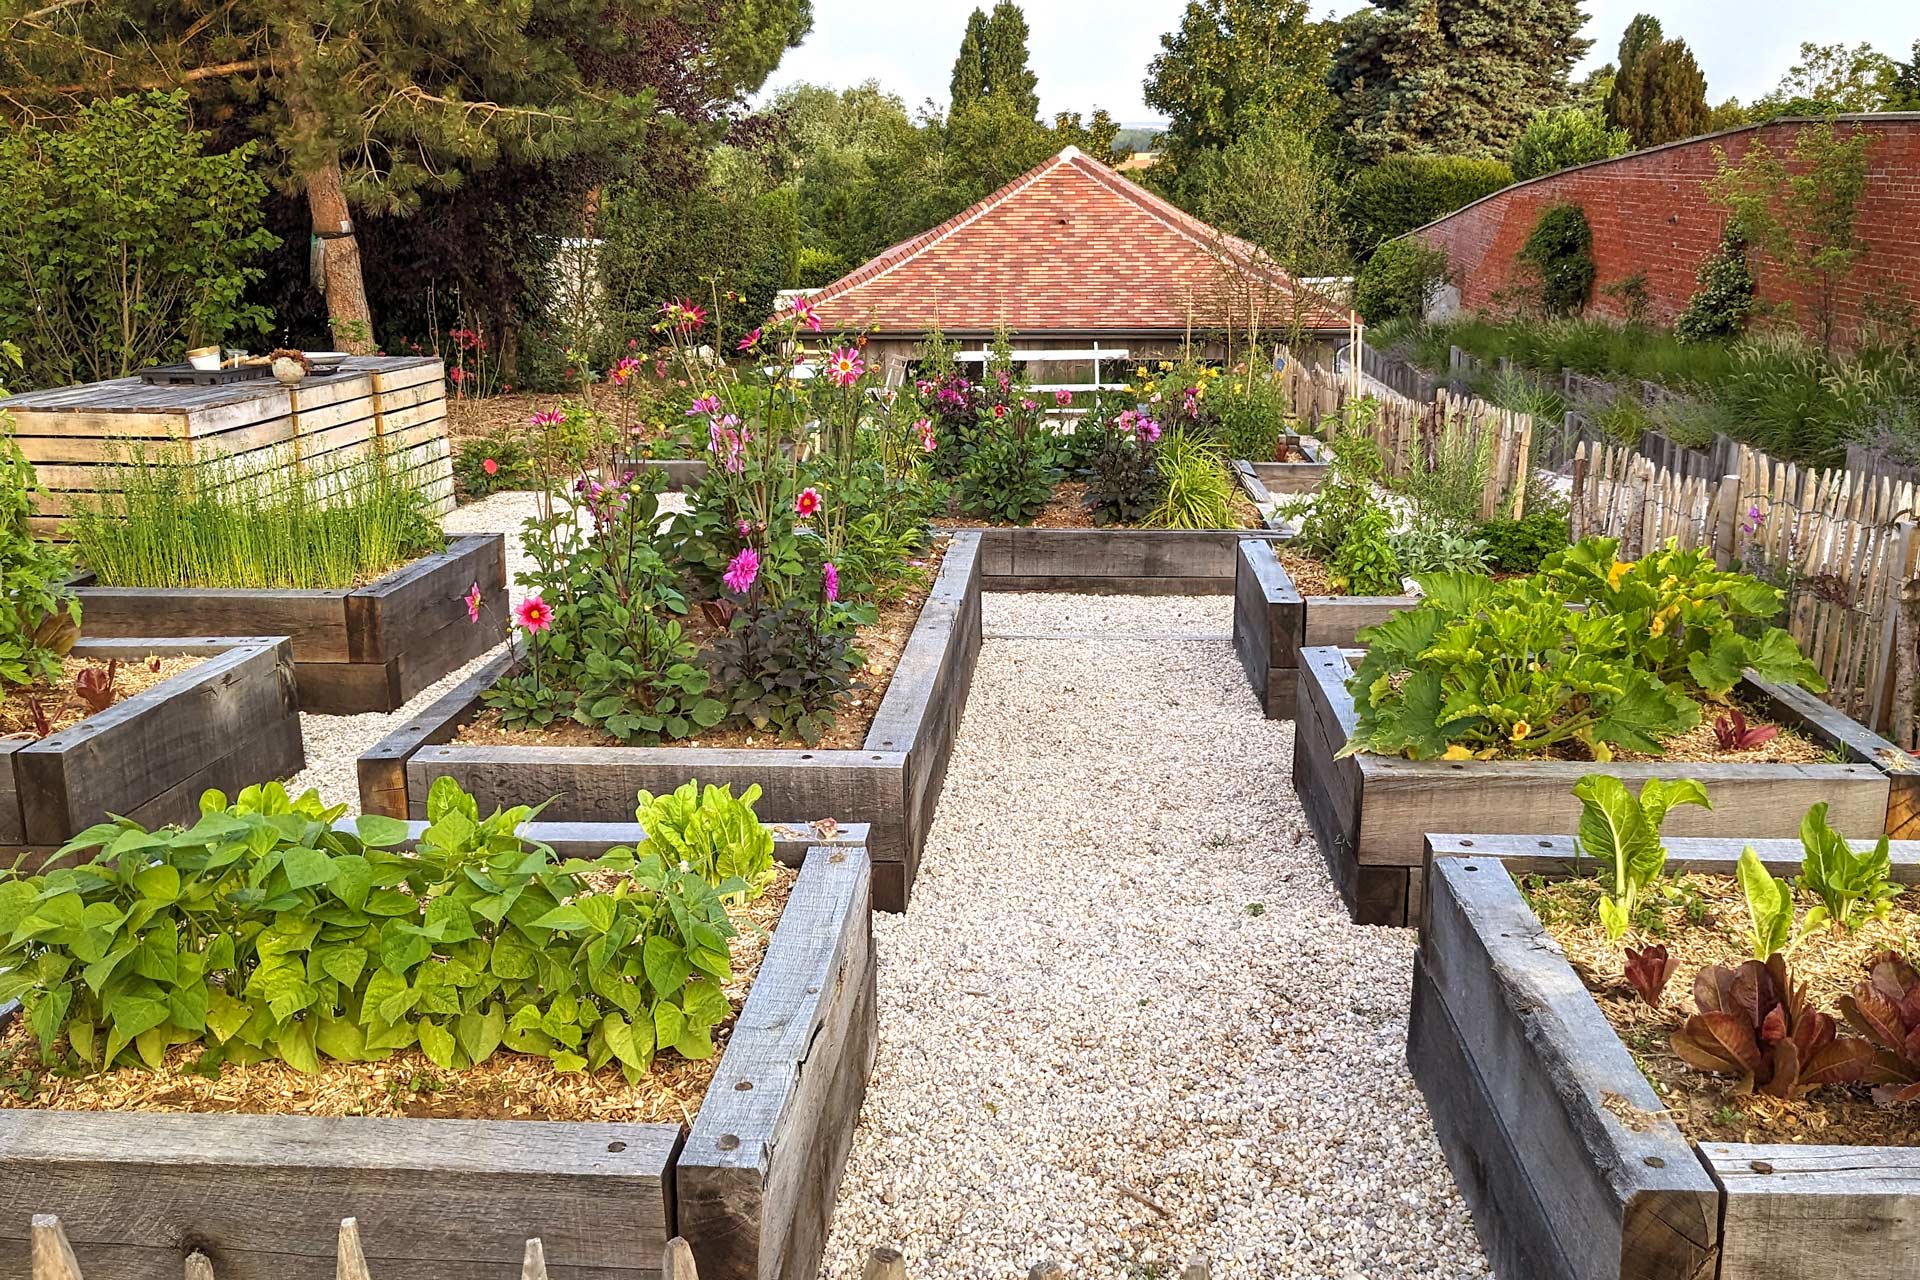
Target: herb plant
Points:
(263, 932)
(1622, 833)
(1851, 886)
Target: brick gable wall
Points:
(1649, 214)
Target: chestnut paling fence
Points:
(1841, 544)
(1421, 436)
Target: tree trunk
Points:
(347, 312)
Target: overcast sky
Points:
(1094, 53)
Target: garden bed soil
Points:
(1276, 616)
(891, 781)
(358, 650)
(133, 676)
(227, 722)
(883, 642)
(1570, 1160)
(748, 1179)
(508, 1086)
(1370, 813)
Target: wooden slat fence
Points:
(1843, 546)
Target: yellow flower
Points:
(1199, 393)
(1620, 570)
(1457, 752)
(1150, 387)
(1237, 388)
(1658, 628)
(1666, 584)
(1166, 366)
(1520, 730)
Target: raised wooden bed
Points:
(1563, 1150)
(1371, 813)
(1269, 481)
(1273, 622)
(751, 1187)
(228, 723)
(892, 783)
(369, 648)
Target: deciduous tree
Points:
(1232, 63)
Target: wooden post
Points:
(885, 1263)
(352, 1262)
(676, 1261)
(534, 1265)
(52, 1256)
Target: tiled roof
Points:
(1070, 247)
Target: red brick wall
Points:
(1649, 214)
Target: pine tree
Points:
(1007, 75)
(970, 68)
(1660, 94)
(1461, 78)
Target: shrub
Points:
(1564, 137)
(1399, 281)
(263, 933)
(1725, 300)
(1391, 198)
(125, 243)
(1251, 413)
(39, 613)
(179, 523)
(1124, 484)
(1519, 546)
(1559, 250)
(496, 464)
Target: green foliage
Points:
(1519, 546)
(1198, 489)
(658, 245)
(168, 521)
(1802, 210)
(1623, 835)
(1462, 78)
(1123, 484)
(1849, 885)
(1003, 60)
(1250, 416)
(1366, 563)
(1770, 908)
(1235, 64)
(261, 932)
(1559, 251)
(785, 667)
(714, 833)
(1563, 137)
(1403, 192)
(1832, 78)
(1010, 473)
(512, 465)
(1727, 294)
(39, 613)
(1433, 545)
(1479, 668)
(969, 83)
(123, 242)
(1399, 280)
(1658, 94)
(1274, 189)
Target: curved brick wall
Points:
(1649, 214)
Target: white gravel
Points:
(1126, 978)
(1126, 1020)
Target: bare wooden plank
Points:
(1794, 1211)
(418, 599)
(1269, 618)
(1556, 854)
(758, 1177)
(1337, 620)
(263, 1196)
(1620, 1199)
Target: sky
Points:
(1094, 53)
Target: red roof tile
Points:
(1070, 247)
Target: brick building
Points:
(1649, 214)
(1068, 255)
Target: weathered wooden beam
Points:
(1793, 1212)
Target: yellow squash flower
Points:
(1620, 570)
(1457, 752)
(1658, 627)
(1520, 730)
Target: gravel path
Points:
(1126, 1021)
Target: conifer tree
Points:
(1008, 77)
(970, 68)
(1659, 94)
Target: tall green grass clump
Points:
(180, 523)
(1199, 492)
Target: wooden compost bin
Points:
(1371, 813)
(228, 723)
(74, 436)
(1273, 622)
(1561, 1147)
(358, 650)
(893, 782)
(751, 1185)
(1272, 481)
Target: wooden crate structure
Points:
(78, 437)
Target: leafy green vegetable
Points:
(1770, 908)
(264, 932)
(1624, 834)
(1846, 882)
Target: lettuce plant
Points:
(1885, 1008)
(1755, 1023)
(1623, 834)
(1770, 908)
(1648, 969)
(1847, 883)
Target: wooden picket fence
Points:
(54, 1259)
(1843, 545)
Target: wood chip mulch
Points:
(1706, 923)
(508, 1086)
(64, 710)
